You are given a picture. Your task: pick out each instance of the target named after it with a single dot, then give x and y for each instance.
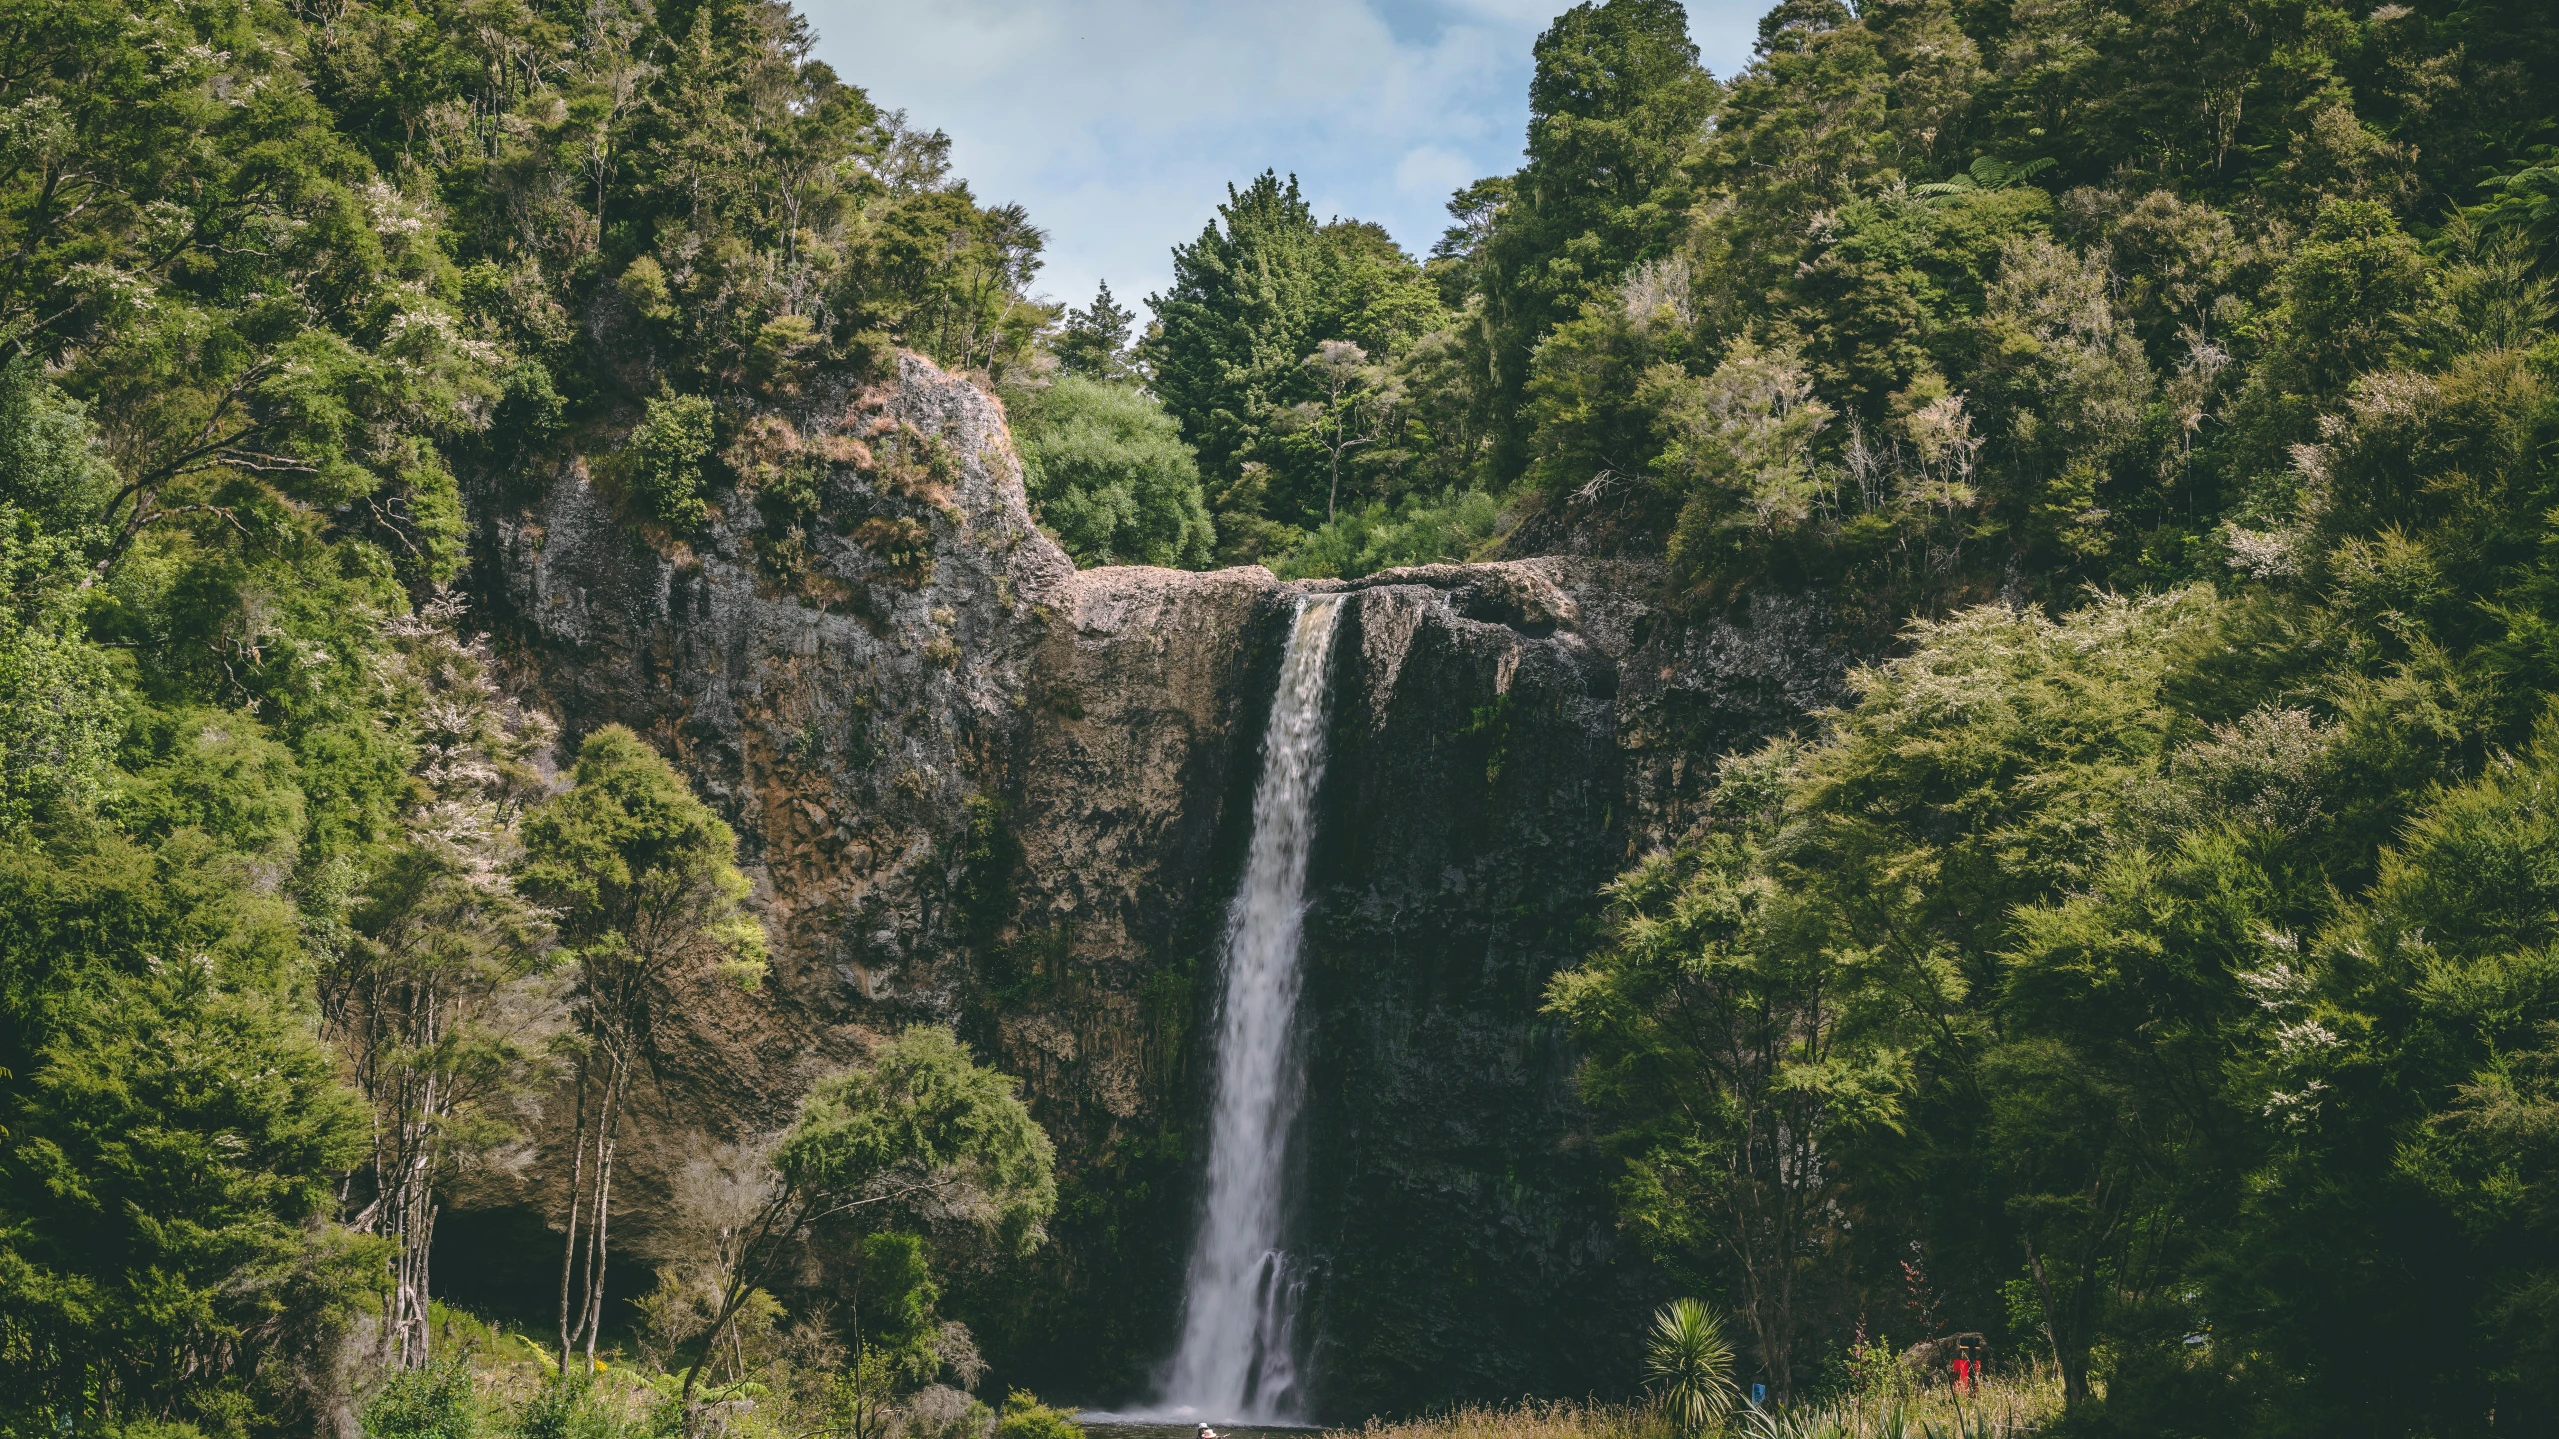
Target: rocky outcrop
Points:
(978, 786)
(1470, 814)
(837, 697)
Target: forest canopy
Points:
(2152, 962)
(293, 923)
(2162, 398)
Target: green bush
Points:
(1422, 530)
(666, 455)
(1025, 1417)
(431, 1403)
(563, 1408)
(1108, 473)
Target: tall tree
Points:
(1237, 319)
(1094, 341)
(1252, 303)
(1354, 409)
(644, 882)
(1731, 1055)
(1617, 113)
(171, 1129)
(434, 993)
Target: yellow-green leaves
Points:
(642, 875)
(664, 463)
(1689, 1364)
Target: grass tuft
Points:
(2007, 1406)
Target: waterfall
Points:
(1237, 1358)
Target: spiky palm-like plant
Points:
(1690, 1363)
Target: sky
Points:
(1120, 123)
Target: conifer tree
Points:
(1237, 319)
(1094, 342)
(1617, 112)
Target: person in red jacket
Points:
(1970, 1351)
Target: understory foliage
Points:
(1876, 1406)
(294, 933)
(1690, 1366)
(494, 1387)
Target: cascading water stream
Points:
(1237, 1361)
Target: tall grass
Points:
(2007, 1406)
(1529, 1419)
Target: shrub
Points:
(1108, 473)
(1453, 526)
(431, 1403)
(1025, 1417)
(1690, 1363)
(566, 1407)
(666, 455)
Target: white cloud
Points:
(1119, 123)
(1430, 173)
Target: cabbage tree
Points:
(1690, 1364)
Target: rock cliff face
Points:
(978, 786)
(1472, 809)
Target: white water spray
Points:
(1237, 1357)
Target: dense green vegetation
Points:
(1108, 473)
(2154, 977)
(2154, 964)
(2157, 980)
(289, 921)
(1932, 300)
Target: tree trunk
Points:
(591, 1314)
(569, 1241)
(595, 1265)
(2070, 1356)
